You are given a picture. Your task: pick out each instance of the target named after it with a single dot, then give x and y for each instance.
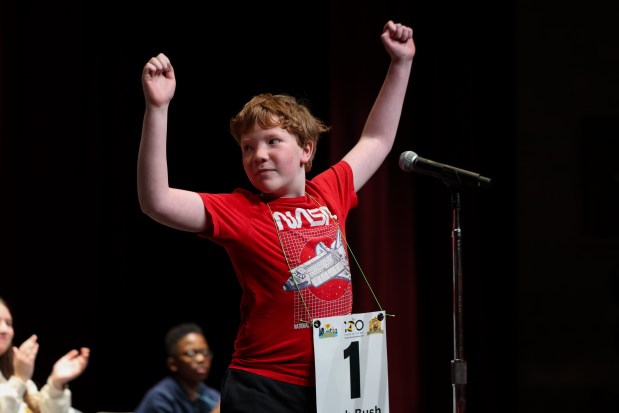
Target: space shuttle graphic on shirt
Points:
(328, 264)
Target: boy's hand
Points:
(158, 80)
(398, 41)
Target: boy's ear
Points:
(308, 150)
(171, 362)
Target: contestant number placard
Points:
(351, 363)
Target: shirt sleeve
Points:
(11, 395)
(53, 400)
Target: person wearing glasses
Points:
(184, 390)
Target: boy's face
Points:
(274, 161)
(193, 360)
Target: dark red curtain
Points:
(380, 229)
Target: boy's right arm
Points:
(176, 208)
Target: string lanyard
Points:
(341, 233)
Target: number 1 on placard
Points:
(352, 353)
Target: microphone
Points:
(452, 176)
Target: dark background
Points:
(524, 92)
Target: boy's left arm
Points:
(381, 125)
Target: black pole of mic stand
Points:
(458, 364)
(455, 179)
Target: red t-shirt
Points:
(288, 248)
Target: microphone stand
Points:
(455, 179)
(458, 364)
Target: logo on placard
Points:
(328, 331)
(376, 325)
(354, 328)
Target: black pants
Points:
(244, 392)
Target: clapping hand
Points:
(24, 357)
(69, 367)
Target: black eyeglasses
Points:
(193, 353)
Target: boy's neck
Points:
(273, 197)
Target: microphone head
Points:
(407, 161)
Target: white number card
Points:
(350, 352)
